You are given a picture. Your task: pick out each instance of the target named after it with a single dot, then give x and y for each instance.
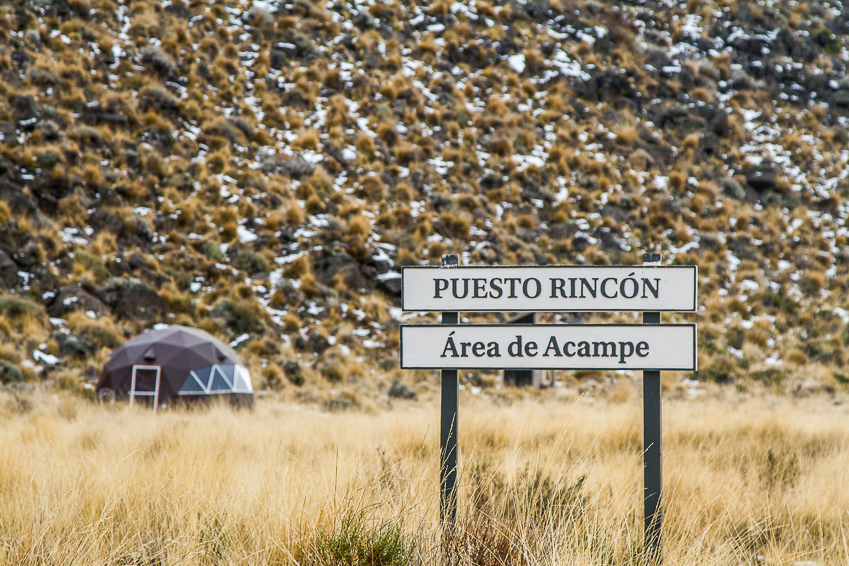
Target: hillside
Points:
(262, 169)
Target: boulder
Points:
(132, 299)
(103, 220)
(390, 283)
(7, 134)
(760, 178)
(841, 98)
(733, 189)
(75, 298)
(318, 343)
(8, 272)
(77, 347)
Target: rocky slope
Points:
(262, 169)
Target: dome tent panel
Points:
(194, 385)
(186, 358)
(242, 381)
(220, 382)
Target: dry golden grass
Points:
(542, 482)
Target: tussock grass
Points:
(542, 482)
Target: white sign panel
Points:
(550, 288)
(550, 346)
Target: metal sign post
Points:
(448, 430)
(652, 453)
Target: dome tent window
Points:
(218, 379)
(193, 367)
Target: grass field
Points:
(543, 482)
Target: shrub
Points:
(457, 224)
(251, 262)
(93, 264)
(212, 250)
(331, 372)
(240, 316)
(154, 56)
(627, 135)
(157, 97)
(16, 308)
(9, 372)
(292, 371)
(355, 542)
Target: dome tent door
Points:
(145, 383)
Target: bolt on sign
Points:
(650, 347)
(550, 288)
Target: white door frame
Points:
(154, 393)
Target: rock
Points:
(391, 285)
(9, 373)
(8, 272)
(75, 346)
(42, 280)
(50, 130)
(537, 9)
(278, 57)
(295, 167)
(132, 299)
(136, 261)
(760, 178)
(400, 391)
(7, 134)
(841, 98)
(733, 189)
(562, 230)
(103, 220)
(143, 228)
(317, 343)
(617, 213)
(21, 59)
(364, 21)
(24, 109)
(28, 256)
(74, 298)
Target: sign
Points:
(573, 346)
(550, 288)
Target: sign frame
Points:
(549, 308)
(519, 328)
(652, 431)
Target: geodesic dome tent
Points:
(176, 364)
